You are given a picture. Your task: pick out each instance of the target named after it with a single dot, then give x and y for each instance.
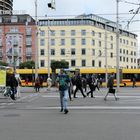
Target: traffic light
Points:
(52, 4)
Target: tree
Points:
(58, 65)
(3, 63)
(28, 65)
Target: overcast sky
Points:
(103, 8)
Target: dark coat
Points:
(110, 82)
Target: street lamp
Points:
(117, 46)
(48, 52)
(106, 65)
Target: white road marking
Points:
(91, 108)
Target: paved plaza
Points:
(36, 116)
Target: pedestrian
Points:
(37, 84)
(13, 84)
(110, 85)
(91, 86)
(49, 83)
(41, 81)
(78, 83)
(84, 84)
(134, 82)
(62, 82)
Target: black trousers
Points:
(79, 88)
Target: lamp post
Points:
(36, 42)
(106, 65)
(117, 46)
(48, 52)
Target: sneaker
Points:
(66, 111)
(105, 99)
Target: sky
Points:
(70, 8)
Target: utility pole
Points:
(48, 52)
(106, 66)
(117, 46)
(36, 42)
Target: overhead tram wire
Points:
(74, 16)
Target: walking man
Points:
(62, 82)
(78, 83)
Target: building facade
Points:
(6, 6)
(85, 42)
(17, 39)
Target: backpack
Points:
(63, 82)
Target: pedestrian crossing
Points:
(125, 103)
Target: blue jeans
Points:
(64, 99)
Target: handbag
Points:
(111, 90)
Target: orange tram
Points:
(126, 75)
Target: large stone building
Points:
(85, 41)
(6, 6)
(17, 39)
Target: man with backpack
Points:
(62, 82)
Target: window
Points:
(93, 42)
(28, 31)
(127, 52)
(93, 63)
(100, 53)
(52, 51)
(62, 32)
(73, 63)
(73, 33)
(120, 58)
(83, 32)
(100, 35)
(72, 42)
(42, 42)
(52, 42)
(14, 29)
(83, 51)
(14, 19)
(123, 59)
(28, 51)
(111, 38)
(42, 52)
(111, 55)
(42, 63)
(100, 64)
(72, 51)
(28, 40)
(52, 33)
(111, 46)
(83, 63)
(92, 33)
(127, 59)
(93, 52)
(100, 44)
(120, 40)
(62, 51)
(83, 41)
(42, 33)
(62, 42)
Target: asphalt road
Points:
(36, 116)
